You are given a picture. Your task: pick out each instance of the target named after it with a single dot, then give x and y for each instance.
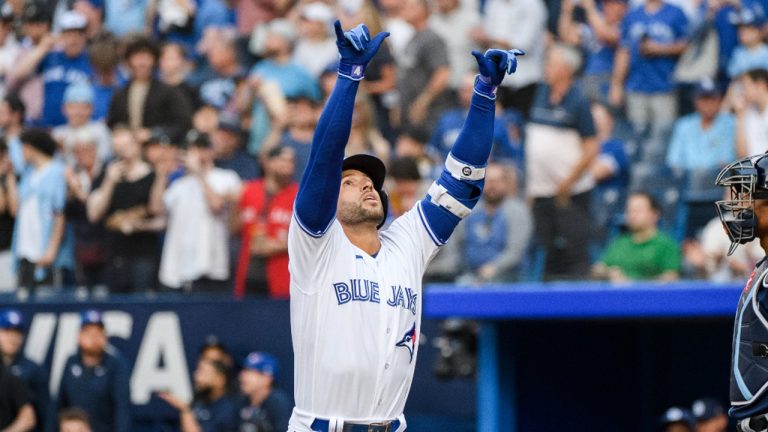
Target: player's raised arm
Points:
(319, 188)
(453, 195)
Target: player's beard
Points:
(354, 213)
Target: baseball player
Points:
(355, 290)
(745, 217)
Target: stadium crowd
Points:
(157, 145)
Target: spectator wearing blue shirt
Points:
(38, 237)
(212, 409)
(217, 87)
(264, 407)
(598, 37)
(451, 122)
(560, 147)
(277, 65)
(105, 58)
(228, 148)
(652, 37)
(703, 141)
(300, 121)
(95, 379)
(752, 52)
(59, 68)
(12, 327)
(495, 236)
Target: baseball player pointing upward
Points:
(355, 290)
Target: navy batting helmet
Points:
(374, 168)
(746, 178)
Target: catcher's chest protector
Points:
(749, 368)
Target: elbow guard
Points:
(459, 187)
(451, 197)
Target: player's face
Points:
(358, 203)
(92, 339)
(10, 341)
(761, 215)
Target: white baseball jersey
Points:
(355, 320)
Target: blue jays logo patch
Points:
(409, 341)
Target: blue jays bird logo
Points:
(409, 341)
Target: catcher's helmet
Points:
(747, 181)
(374, 168)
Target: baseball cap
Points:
(6, 13)
(230, 122)
(707, 408)
(195, 138)
(706, 88)
(79, 92)
(317, 11)
(11, 319)
(261, 362)
(678, 415)
(282, 28)
(35, 13)
(91, 316)
(371, 166)
(72, 20)
(748, 16)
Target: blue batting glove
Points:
(356, 49)
(496, 63)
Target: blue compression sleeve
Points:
(319, 188)
(473, 145)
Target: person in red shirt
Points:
(266, 206)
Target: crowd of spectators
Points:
(93, 391)
(156, 145)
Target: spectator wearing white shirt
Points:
(196, 249)
(521, 24)
(315, 48)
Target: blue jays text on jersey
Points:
(368, 290)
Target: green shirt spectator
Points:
(643, 253)
(645, 259)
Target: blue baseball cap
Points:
(705, 409)
(11, 319)
(79, 92)
(262, 362)
(91, 316)
(707, 88)
(678, 415)
(748, 16)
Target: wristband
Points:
(485, 89)
(354, 72)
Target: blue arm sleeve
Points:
(472, 147)
(319, 188)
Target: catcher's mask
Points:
(746, 180)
